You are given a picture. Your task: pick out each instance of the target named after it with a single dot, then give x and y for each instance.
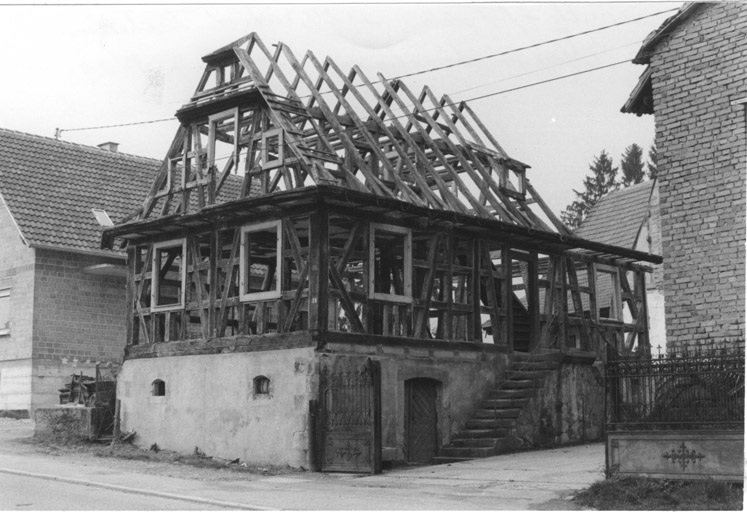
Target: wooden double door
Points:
(421, 420)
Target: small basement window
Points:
(390, 260)
(261, 261)
(158, 388)
(261, 385)
(169, 274)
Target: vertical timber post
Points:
(130, 297)
(318, 270)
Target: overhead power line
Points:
(548, 80)
(535, 45)
(59, 131)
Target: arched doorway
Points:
(421, 420)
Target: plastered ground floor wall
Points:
(209, 401)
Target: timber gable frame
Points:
(327, 163)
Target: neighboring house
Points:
(629, 217)
(328, 312)
(695, 84)
(61, 298)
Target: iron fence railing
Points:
(692, 389)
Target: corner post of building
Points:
(213, 283)
(318, 270)
(476, 316)
(533, 305)
(130, 297)
(508, 295)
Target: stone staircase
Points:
(487, 433)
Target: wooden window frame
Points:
(155, 278)
(277, 162)
(245, 273)
(213, 121)
(407, 274)
(616, 309)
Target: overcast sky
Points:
(92, 65)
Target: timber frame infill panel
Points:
(321, 269)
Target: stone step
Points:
(473, 442)
(476, 433)
(521, 384)
(511, 393)
(497, 413)
(488, 423)
(504, 403)
(526, 374)
(470, 453)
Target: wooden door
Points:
(349, 416)
(421, 420)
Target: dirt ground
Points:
(17, 437)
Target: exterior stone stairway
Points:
(487, 433)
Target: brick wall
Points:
(77, 315)
(16, 274)
(700, 136)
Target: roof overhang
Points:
(641, 100)
(359, 203)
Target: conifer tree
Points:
(632, 165)
(652, 169)
(599, 182)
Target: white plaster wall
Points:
(15, 385)
(656, 320)
(210, 404)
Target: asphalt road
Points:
(32, 493)
(34, 479)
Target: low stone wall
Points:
(677, 455)
(568, 408)
(65, 423)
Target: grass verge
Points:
(629, 493)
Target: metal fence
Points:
(694, 389)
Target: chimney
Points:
(109, 146)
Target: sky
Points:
(80, 66)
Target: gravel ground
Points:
(16, 436)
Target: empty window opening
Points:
(168, 275)
(608, 293)
(391, 263)
(261, 264)
(272, 149)
(158, 388)
(261, 385)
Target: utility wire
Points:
(58, 131)
(564, 38)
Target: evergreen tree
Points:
(652, 169)
(599, 182)
(632, 165)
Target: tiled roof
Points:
(50, 187)
(617, 217)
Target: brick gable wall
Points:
(17, 275)
(77, 315)
(700, 136)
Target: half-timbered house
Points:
(310, 274)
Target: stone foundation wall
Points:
(568, 408)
